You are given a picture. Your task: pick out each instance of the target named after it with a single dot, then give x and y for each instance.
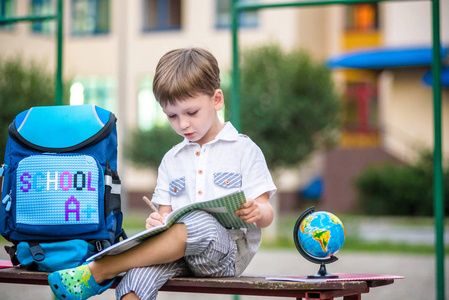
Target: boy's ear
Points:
(218, 99)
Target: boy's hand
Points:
(155, 219)
(250, 211)
(258, 211)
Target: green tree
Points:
(22, 86)
(288, 103)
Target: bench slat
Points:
(243, 285)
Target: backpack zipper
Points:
(8, 201)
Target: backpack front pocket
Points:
(58, 195)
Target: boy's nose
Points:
(184, 123)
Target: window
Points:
(149, 111)
(360, 108)
(162, 15)
(99, 91)
(90, 17)
(41, 8)
(361, 128)
(362, 17)
(246, 18)
(7, 10)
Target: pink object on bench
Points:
(341, 277)
(5, 263)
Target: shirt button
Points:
(200, 172)
(200, 193)
(197, 153)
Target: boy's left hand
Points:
(250, 211)
(258, 211)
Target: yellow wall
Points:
(356, 40)
(408, 119)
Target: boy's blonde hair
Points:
(185, 73)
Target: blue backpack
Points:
(60, 182)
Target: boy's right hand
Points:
(155, 219)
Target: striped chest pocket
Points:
(228, 180)
(177, 186)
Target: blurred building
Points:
(111, 48)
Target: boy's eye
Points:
(171, 116)
(192, 113)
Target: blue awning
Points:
(428, 77)
(380, 58)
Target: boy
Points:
(212, 161)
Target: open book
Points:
(222, 209)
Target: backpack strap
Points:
(122, 235)
(101, 244)
(36, 251)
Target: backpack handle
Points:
(36, 251)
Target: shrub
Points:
(147, 148)
(22, 86)
(390, 189)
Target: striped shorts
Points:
(210, 252)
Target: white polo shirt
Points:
(231, 162)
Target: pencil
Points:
(150, 204)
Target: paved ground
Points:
(418, 270)
(379, 230)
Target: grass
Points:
(134, 222)
(353, 241)
(360, 245)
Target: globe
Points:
(321, 234)
(318, 237)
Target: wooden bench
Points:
(243, 285)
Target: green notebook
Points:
(222, 209)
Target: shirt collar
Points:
(228, 133)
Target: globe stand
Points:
(322, 272)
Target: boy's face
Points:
(196, 118)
